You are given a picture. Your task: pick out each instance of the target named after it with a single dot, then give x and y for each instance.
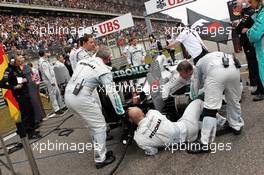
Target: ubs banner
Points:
(110, 26)
(155, 6)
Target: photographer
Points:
(249, 49)
(255, 34)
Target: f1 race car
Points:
(141, 86)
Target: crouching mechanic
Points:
(178, 80)
(88, 75)
(217, 72)
(155, 130)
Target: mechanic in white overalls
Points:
(155, 130)
(136, 53)
(48, 76)
(89, 74)
(218, 72)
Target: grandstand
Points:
(110, 6)
(20, 18)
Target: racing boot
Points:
(110, 158)
(198, 148)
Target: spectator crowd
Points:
(22, 31)
(136, 8)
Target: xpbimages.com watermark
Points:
(183, 146)
(50, 29)
(127, 88)
(213, 31)
(63, 146)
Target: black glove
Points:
(122, 116)
(201, 96)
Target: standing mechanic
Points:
(136, 53)
(87, 46)
(155, 45)
(191, 41)
(48, 76)
(155, 130)
(16, 81)
(79, 98)
(219, 72)
(256, 34)
(170, 50)
(72, 53)
(86, 50)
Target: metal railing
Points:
(42, 88)
(2, 101)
